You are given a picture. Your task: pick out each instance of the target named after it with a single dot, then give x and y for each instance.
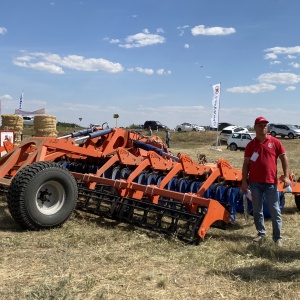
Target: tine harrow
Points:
(123, 175)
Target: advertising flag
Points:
(21, 100)
(214, 121)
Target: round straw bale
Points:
(12, 122)
(17, 137)
(45, 125)
(46, 133)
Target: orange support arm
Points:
(295, 185)
(214, 213)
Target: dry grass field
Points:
(95, 258)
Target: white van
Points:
(28, 120)
(227, 131)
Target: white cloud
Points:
(266, 83)
(290, 88)
(114, 41)
(163, 72)
(252, 89)
(280, 78)
(275, 62)
(53, 63)
(284, 50)
(270, 56)
(173, 109)
(201, 30)
(3, 30)
(6, 97)
(182, 29)
(160, 71)
(142, 39)
(40, 66)
(186, 46)
(295, 65)
(287, 52)
(149, 71)
(145, 71)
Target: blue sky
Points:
(151, 60)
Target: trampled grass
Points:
(95, 258)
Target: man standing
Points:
(168, 138)
(260, 174)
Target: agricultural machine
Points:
(123, 175)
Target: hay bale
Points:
(12, 122)
(45, 125)
(17, 137)
(46, 132)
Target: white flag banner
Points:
(214, 121)
(21, 100)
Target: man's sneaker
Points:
(278, 243)
(258, 239)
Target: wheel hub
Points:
(44, 196)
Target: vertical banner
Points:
(21, 100)
(214, 121)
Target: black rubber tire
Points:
(50, 180)
(273, 133)
(291, 136)
(233, 147)
(179, 129)
(194, 129)
(297, 201)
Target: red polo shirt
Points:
(264, 167)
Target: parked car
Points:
(155, 125)
(28, 120)
(291, 131)
(222, 125)
(239, 140)
(270, 125)
(227, 131)
(189, 127)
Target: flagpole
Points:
(0, 107)
(21, 100)
(217, 143)
(215, 115)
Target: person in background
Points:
(259, 172)
(168, 135)
(149, 131)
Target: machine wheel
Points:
(290, 136)
(297, 197)
(42, 196)
(297, 201)
(273, 133)
(233, 147)
(194, 129)
(179, 129)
